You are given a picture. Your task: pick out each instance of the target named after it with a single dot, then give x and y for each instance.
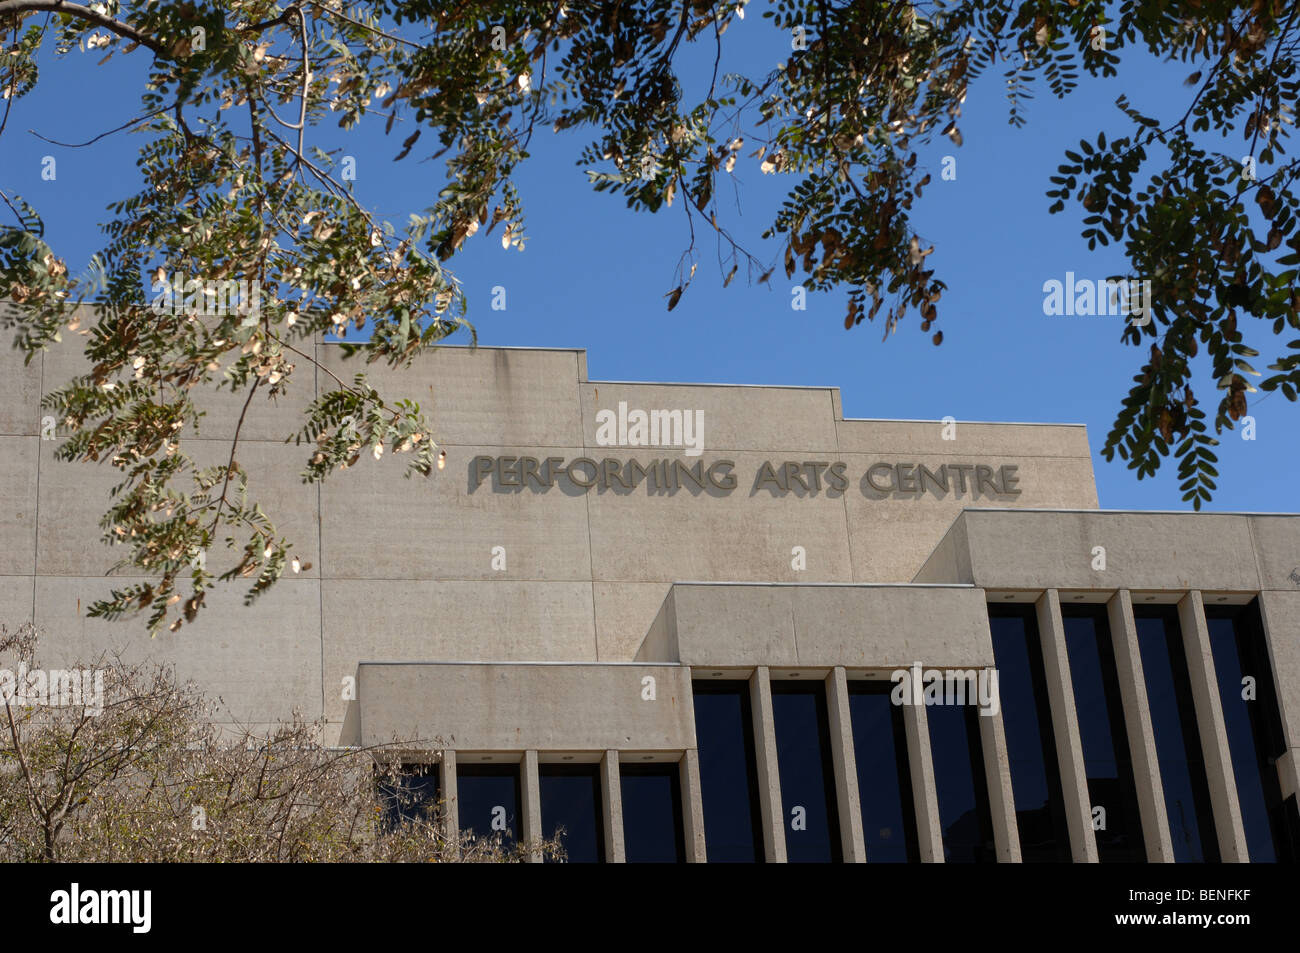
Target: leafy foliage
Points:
(231, 191)
(1214, 230)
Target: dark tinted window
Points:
(571, 810)
(652, 813)
(489, 801)
(724, 732)
(1254, 725)
(961, 784)
(412, 793)
(803, 751)
(884, 773)
(1103, 734)
(1031, 742)
(1177, 737)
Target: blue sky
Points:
(594, 274)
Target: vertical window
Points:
(411, 794)
(884, 773)
(652, 813)
(572, 809)
(961, 783)
(1031, 741)
(1112, 792)
(1254, 725)
(1177, 736)
(807, 772)
(724, 733)
(489, 801)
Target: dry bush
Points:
(143, 773)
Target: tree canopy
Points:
(233, 191)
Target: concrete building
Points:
(693, 622)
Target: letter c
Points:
(871, 479)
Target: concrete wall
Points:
(402, 569)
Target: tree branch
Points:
(79, 145)
(234, 444)
(124, 30)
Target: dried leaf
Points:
(406, 145)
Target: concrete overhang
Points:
(518, 706)
(1108, 549)
(729, 625)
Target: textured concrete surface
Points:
(261, 662)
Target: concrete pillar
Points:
(852, 842)
(612, 795)
(1137, 722)
(1288, 773)
(692, 807)
(530, 787)
(929, 830)
(1002, 798)
(1213, 730)
(1065, 728)
(1280, 624)
(451, 807)
(769, 780)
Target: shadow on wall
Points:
(913, 481)
(660, 477)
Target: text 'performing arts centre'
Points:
(693, 622)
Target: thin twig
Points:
(233, 444)
(80, 145)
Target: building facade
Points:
(724, 623)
